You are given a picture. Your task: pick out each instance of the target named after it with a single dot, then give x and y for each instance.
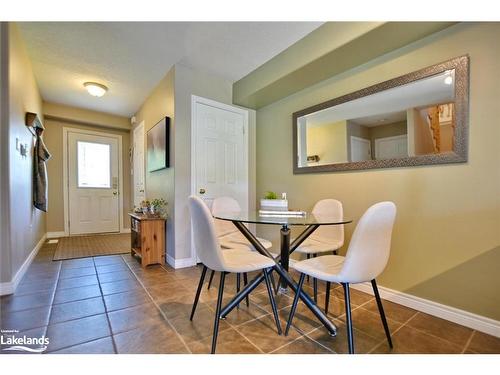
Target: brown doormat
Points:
(91, 246)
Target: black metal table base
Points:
(281, 268)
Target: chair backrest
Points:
(204, 236)
(370, 244)
(326, 233)
(224, 204)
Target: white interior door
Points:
(360, 149)
(93, 184)
(138, 164)
(220, 151)
(391, 147)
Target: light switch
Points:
(17, 144)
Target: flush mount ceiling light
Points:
(95, 89)
(448, 79)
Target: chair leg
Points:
(198, 291)
(245, 282)
(382, 313)
(295, 302)
(238, 286)
(327, 297)
(217, 311)
(273, 283)
(350, 334)
(315, 286)
(308, 256)
(210, 280)
(273, 302)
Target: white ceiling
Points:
(390, 104)
(132, 57)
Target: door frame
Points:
(141, 125)
(201, 100)
(119, 138)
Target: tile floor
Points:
(110, 304)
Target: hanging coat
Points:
(40, 183)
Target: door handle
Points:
(115, 193)
(202, 191)
(141, 191)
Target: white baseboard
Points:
(125, 230)
(462, 317)
(56, 234)
(180, 263)
(10, 286)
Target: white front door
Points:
(138, 164)
(360, 149)
(391, 147)
(220, 151)
(93, 184)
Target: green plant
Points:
(270, 195)
(158, 203)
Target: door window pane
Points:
(94, 167)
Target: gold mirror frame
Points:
(460, 147)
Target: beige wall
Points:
(447, 227)
(329, 142)
(66, 113)
(53, 136)
(172, 97)
(160, 184)
(27, 224)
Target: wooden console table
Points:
(148, 238)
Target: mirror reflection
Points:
(413, 119)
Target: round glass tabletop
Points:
(308, 218)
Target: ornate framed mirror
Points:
(420, 118)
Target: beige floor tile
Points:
(363, 343)
(441, 328)
(262, 332)
(411, 341)
(483, 343)
(392, 310)
(101, 346)
(228, 342)
(76, 310)
(200, 327)
(134, 317)
(78, 331)
(152, 339)
(303, 345)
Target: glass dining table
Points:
(310, 222)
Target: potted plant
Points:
(271, 202)
(157, 205)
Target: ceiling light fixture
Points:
(95, 89)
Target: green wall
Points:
(447, 230)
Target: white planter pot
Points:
(274, 204)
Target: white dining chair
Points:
(325, 239)
(230, 237)
(366, 258)
(226, 261)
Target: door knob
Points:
(202, 191)
(115, 193)
(141, 191)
